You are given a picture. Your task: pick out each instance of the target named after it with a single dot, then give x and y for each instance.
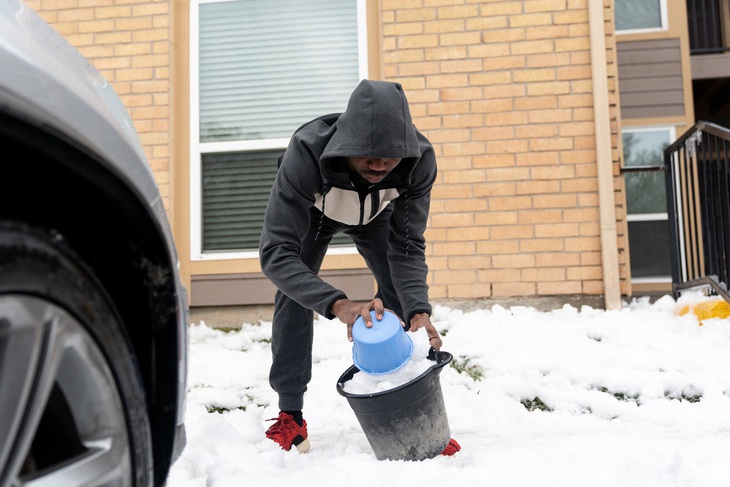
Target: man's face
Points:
(372, 169)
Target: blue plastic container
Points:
(383, 348)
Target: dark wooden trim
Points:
(255, 288)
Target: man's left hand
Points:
(423, 320)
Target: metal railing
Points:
(705, 27)
(698, 204)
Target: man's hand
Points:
(423, 320)
(349, 311)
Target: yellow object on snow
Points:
(707, 310)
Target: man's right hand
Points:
(349, 311)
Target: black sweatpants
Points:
(293, 328)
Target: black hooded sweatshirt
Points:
(313, 172)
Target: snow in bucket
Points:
(414, 367)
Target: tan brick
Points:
(510, 232)
(580, 185)
(401, 4)
(573, 100)
(513, 261)
(455, 277)
(444, 53)
(574, 72)
(532, 47)
(460, 39)
(489, 50)
(463, 149)
(452, 220)
(472, 262)
(442, 108)
(469, 234)
(553, 230)
(494, 160)
(458, 12)
(530, 20)
(462, 291)
(554, 274)
(493, 105)
(571, 17)
(510, 34)
(510, 203)
(545, 5)
(491, 218)
(584, 273)
(555, 201)
(505, 118)
(507, 146)
(453, 248)
(494, 133)
(551, 143)
(513, 289)
(497, 275)
(404, 56)
(451, 93)
(556, 259)
(486, 23)
(461, 66)
(547, 32)
(448, 81)
(535, 130)
(595, 288)
(150, 35)
(465, 205)
(538, 158)
(443, 26)
(497, 247)
(548, 88)
(536, 245)
(536, 103)
(492, 190)
(440, 191)
(499, 63)
(419, 69)
(470, 176)
(582, 244)
(501, 8)
(532, 75)
(538, 187)
(558, 287)
(552, 172)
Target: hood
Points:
(376, 123)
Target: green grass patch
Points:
(535, 404)
(463, 365)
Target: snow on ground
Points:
(569, 397)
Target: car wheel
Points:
(72, 407)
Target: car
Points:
(93, 312)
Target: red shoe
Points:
(286, 432)
(451, 448)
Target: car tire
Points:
(72, 403)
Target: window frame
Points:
(198, 148)
(649, 217)
(663, 16)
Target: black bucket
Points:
(407, 422)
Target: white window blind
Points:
(267, 66)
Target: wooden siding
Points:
(254, 288)
(650, 78)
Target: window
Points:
(641, 15)
(259, 70)
(646, 203)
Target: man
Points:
(367, 173)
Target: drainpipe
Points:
(606, 202)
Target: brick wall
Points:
(503, 89)
(128, 41)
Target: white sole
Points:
(303, 447)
